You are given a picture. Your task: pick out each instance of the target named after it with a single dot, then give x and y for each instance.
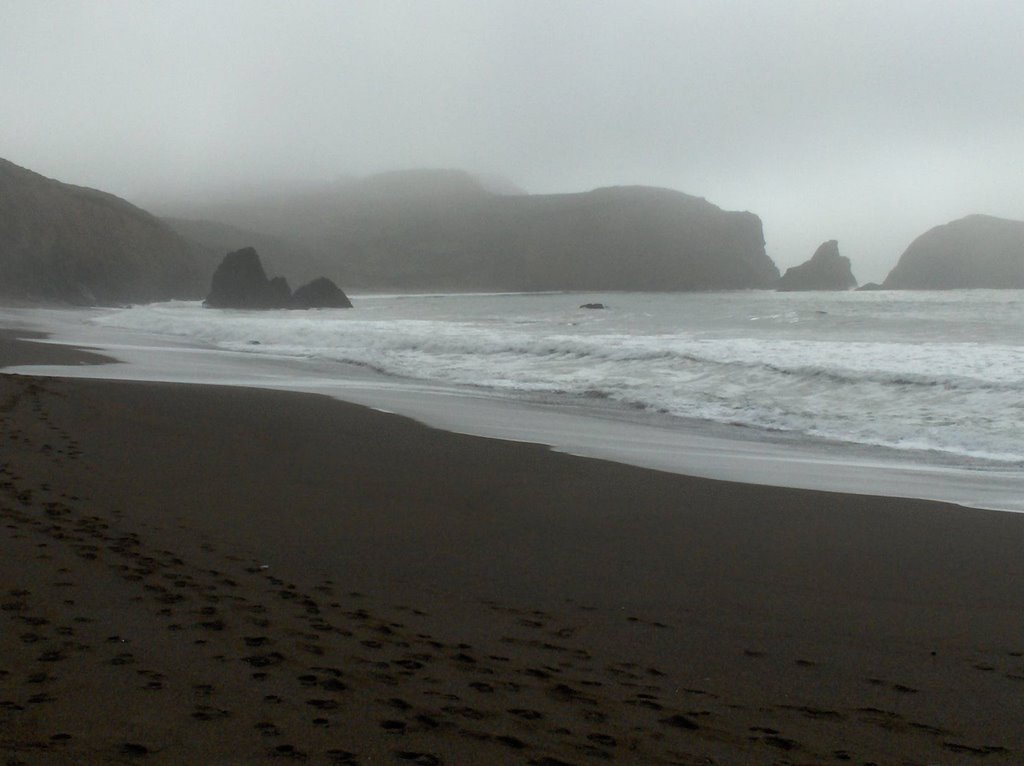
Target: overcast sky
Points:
(866, 122)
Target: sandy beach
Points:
(199, 574)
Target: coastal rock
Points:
(279, 291)
(321, 293)
(979, 251)
(869, 287)
(826, 270)
(593, 306)
(240, 283)
(76, 245)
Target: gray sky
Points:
(866, 122)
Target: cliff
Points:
(71, 244)
(445, 230)
(978, 251)
(826, 270)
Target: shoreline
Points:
(241, 575)
(709, 453)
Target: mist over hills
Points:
(446, 230)
(217, 239)
(72, 244)
(443, 230)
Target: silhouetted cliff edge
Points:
(72, 244)
(979, 251)
(443, 230)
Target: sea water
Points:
(934, 375)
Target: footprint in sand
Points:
(323, 704)
(209, 713)
(134, 749)
(526, 714)
(342, 758)
(420, 759)
(267, 729)
(289, 751)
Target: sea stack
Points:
(321, 293)
(241, 283)
(826, 270)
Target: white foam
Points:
(682, 447)
(808, 373)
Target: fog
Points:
(865, 122)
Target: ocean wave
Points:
(961, 398)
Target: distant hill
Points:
(276, 253)
(978, 251)
(72, 244)
(446, 230)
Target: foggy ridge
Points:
(445, 230)
(72, 244)
(439, 230)
(977, 251)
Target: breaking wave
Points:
(816, 378)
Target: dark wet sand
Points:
(215, 575)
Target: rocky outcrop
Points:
(321, 293)
(826, 270)
(241, 283)
(978, 251)
(444, 230)
(869, 287)
(76, 245)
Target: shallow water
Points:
(594, 426)
(939, 373)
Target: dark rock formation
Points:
(869, 287)
(443, 230)
(241, 283)
(279, 292)
(321, 293)
(826, 270)
(978, 251)
(71, 244)
(593, 306)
